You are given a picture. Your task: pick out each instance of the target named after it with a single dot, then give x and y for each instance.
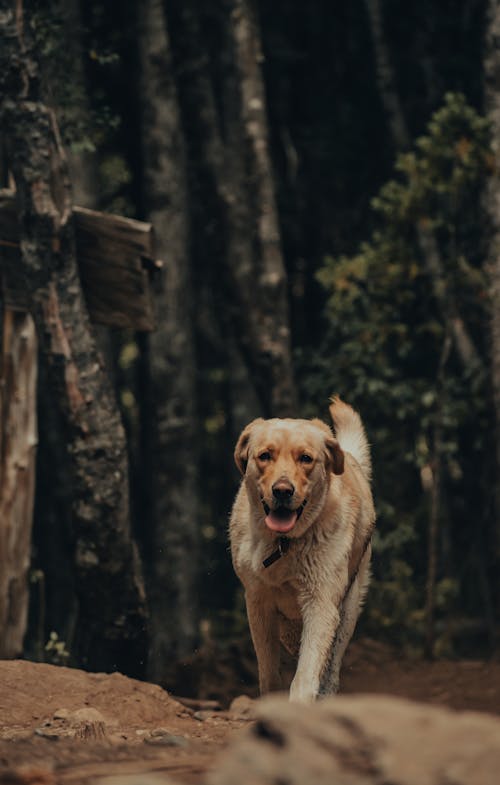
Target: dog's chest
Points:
(279, 572)
(286, 599)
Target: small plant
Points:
(56, 652)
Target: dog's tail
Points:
(351, 434)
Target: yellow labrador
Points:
(300, 533)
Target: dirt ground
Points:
(61, 725)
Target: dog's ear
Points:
(241, 449)
(335, 453)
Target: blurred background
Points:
(323, 186)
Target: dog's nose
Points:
(283, 490)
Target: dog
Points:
(300, 533)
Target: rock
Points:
(61, 714)
(86, 724)
(48, 731)
(204, 715)
(242, 708)
(362, 740)
(161, 737)
(198, 704)
(146, 778)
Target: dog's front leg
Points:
(320, 622)
(264, 627)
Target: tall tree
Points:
(112, 612)
(170, 456)
(59, 22)
(69, 97)
(492, 97)
(227, 132)
(429, 248)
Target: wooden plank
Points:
(115, 259)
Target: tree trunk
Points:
(435, 504)
(492, 204)
(82, 162)
(18, 439)
(112, 616)
(170, 455)
(229, 147)
(260, 278)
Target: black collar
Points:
(281, 550)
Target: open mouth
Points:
(282, 519)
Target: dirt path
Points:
(59, 725)
(472, 685)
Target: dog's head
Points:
(287, 464)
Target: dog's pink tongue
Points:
(281, 525)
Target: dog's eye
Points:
(305, 458)
(265, 456)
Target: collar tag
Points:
(281, 550)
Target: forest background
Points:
(323, 183)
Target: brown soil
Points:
(60, 725)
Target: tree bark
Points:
(112, 615)
(386, 77)
(83, 165)
(492, 204)
(260, 277)
(170, 456)
(18, 440)
(229, 146)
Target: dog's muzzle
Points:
(281, 519)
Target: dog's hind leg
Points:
(351, 608)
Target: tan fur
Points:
(309, 600)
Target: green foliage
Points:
(49, 26)
(87, 119)
(55, 650)
(115, 176)
(386, 353)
